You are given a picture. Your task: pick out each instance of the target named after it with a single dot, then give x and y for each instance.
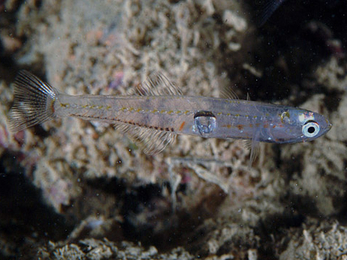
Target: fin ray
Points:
(158, 85)
(267, 8)
(229, 93)
(33, 102)
(254, 146)
(152, 141)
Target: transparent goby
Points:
(159, 112)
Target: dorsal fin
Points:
(229, 93)
(158, 85)
(266, 9)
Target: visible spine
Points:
(33, 102)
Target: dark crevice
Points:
(22, 211)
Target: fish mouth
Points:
(330, 125)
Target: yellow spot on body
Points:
(123, 109)
(170, 112)
(139, 110)
(100, 107)
(162, 111)
(65, 104)
(178, 112)
(108, 107)
(186, 112)
(154, 111)
(218, 114)
(131, 109)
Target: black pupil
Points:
(311, 130)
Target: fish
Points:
(159, 111)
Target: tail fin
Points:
(33, 102)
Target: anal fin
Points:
(253, 145)
(152, 141)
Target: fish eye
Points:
(310, 129)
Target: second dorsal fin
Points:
(266, 9)
(158, 85)
(229, 93)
